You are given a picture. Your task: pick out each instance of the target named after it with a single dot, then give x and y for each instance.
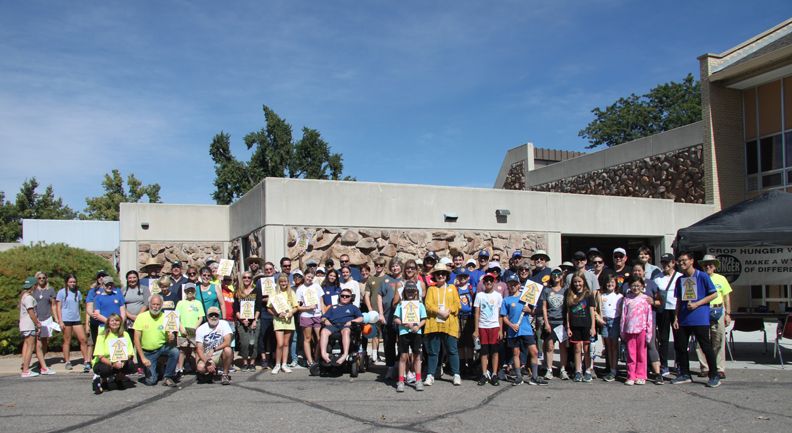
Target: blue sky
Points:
(428, 92)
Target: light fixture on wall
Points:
(450, 217)
(144, 225)
(501, 215)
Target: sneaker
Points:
(47, 371)
(120, 383)
(419, 386)
(609, 377)
(629, 382)
(578, 377)
(722, 375)
(564, 375)
(640, 382)
(665, 372)
(518, 381)
(295, 365)
(549, 374)
(587, 377)
(169, 382)
(410, 379)
(87, 367)
(276, 369)
(68, 366)
(714, 382)
(494, 381)
(400, 387)
(429, 380)
(97, 386)
(457, 380)
(538, 381)
(659, 380)
(483, 380)
(286, 369)
(29, 373)
(225, 380)
(179, 374)
(681, 379)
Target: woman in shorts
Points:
(310, 308)
(68, 300)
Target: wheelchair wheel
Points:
(354, 368)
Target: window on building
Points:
(768, 136)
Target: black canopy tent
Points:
(763, 220)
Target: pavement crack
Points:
(735, 405)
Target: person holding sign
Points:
(694, 292)
(282, 305)
(153, 341)
(309, 298)
(247, 307)
(516, 312)
(191, 315)
(410, 317)
(553, 323)
(113, 355)
(720, 309)
(265, 283)
(442, 324)
(338, 318)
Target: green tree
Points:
(30, 204)
(666, 106)
(106, 206)
(274, 154)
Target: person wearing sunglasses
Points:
(208, 292)
(579, 260)
(339, 318)
(153, 342)
(177, 278)
(46, 308)
(212, 346)
(620, 267)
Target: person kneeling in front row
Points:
(113, 355)
(212, 345)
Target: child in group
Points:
(283, 323)
(410, 335)
(466, 294)
(488, 324)
(553, 313)
(191, 315)
(29, 327)
(580, 313)
(610, 302)
(516, 315)
(636, 330)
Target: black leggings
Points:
(702, 334)
(390, 344)
(665, 319)
(104, 371)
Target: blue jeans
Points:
(433, 342)
(170, 368)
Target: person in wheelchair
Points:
(339, 319)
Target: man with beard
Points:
(152, 342)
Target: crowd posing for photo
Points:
(469, 319)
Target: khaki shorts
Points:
(188, 341)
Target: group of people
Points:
(473, 318)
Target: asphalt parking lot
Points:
(748, 400)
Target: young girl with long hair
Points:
(580, 312)
(283, 324)
(68, 315)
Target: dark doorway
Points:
(570, 244)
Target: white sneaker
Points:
(47, 371)
(286, 369)
(410, 377)
(276, 369)
(457, 380)
(549, 374)
(429, 380)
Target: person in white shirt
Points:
(212, 345)
(666, 315)
(347, 282)
(310, 306)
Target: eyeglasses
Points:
(555, 274)
(379, 265)
(540, 259)
(598, 262)
(42, 278)
(191, 273)
(247, 278)
(213, 315)
(345, 296)
(344, 261)
(488, 281)
(410, 268)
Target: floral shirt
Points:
(636, 315)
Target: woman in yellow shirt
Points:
(113, 355)
(442, 323)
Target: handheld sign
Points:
(689, 292)
(280, 303)
(530, 294)
(411, 312)
(247, 309)
(310, 297)
(171, 321)
(268, 286)
(118, 350)
(225, 268)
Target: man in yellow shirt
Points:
(720, 309)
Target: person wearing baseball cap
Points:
(488, 324)
(520, 338)
(178, 279)
(720, 317)
(579, 262)
(620, 267)
(213, 345)
(442, 324)
(29, 327)
(514, 264)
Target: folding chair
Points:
(782, 332)
(748, 325)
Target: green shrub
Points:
(57, 261)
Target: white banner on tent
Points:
(747, 266)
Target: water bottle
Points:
(477, 344)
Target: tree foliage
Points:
(29, 204)
(106, 206)
(666, 106)
(57, 261)
(274, 154)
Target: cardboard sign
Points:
(247, 309)
(411, 312)
(310, 297)
(268, 286)
(531, 292)
(226, 268)
(171, 321)
(280, 303)
(118, 350)
(689, 292)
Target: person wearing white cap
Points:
(620, 267)
(720, 317)
(213, 345)
(540, 273)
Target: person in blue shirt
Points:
(520, 335)
(514, 265)
(338, 318)
(331, 288)
(693, 291)
(107, 302)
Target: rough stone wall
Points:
(515, 178)
(189, 253)
(364, 245)
(677, 175)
